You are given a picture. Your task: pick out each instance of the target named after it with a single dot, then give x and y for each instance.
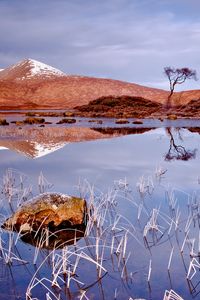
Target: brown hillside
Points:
(68, 92)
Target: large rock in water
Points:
(52, 210)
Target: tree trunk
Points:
(168, 103)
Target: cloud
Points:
(123, 39)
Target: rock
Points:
(19, 123)
(32, 120)
(30, 114)
(172, 117)
(68, 114)
(96, 121)
(121, 121)
(137, 122)
(66, 121)
(3, 122)
(50, 210)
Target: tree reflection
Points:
(178, 152)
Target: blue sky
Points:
(130, 40)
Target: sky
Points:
(129, 40)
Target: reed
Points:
(171, 295)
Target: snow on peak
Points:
(38, 68)
(30, 69)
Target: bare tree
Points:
(177, 76)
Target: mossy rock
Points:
(48, 210)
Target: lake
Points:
(143, 182)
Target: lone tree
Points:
(177, 76)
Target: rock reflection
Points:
(54, 240)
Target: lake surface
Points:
(150, 227)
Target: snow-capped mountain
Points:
(30, 69)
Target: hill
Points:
(123, 106)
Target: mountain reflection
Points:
(36, 142)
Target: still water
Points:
(153, 176)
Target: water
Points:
(130, 165)
(106, 122)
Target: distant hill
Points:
(30, 84)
